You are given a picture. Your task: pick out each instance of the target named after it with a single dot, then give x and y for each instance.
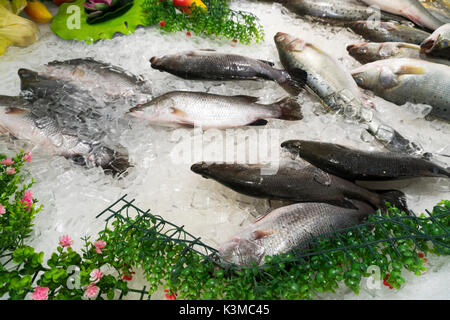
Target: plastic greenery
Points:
(218, 20)
(71, 23)
(174, 260)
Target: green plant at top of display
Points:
(218, 20)
(175, 260)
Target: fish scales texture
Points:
(289, 228)
(402, 80)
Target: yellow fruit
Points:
(38, 12)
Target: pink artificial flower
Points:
(27, 157)
(91, 291)
(96, 275)
(65, 241)
(27, 199)
(2, 209)
(41, 293)
(7, 162)
(10, 170)
(99, 245)
(170, 296)
(28, 194)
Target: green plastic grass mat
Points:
(388, 245)
(70, 23)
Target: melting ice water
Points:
(73, 195)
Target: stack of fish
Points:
(58, 110)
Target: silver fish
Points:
(212, 65)
(372, 51)
(287, 229)
(336, 89)
(438, 44)
(185, 108)
(402, 80)
(336, 10)
(388, 32)
(18, 119)
(99, 78)
(411, 9)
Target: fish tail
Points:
(291, 85)
(289, 109)
(395, 198)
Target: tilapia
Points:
(287, 229)
(185, 108)
(388, 32)
(336, 89)
(18, 119)
(294, 183)
(372, 51)
(336, 10)
(411, 9)
(211, 65)
(400, 80)
(355, 164)
(438, 43)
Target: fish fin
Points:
(16, 111)
(259, 122)
(208, 50)
(178, 112)
(321, 177)
(248, 99)
(269, 63)
(396, 198)
(259, 234)
(291, 85)
(289, 109)
(408, 69)
(261, 217)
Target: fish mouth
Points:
(289, 42)
(200, 168)
(357, 48)
(427, 45)
(139, 107)
(292, 145)
(281, 36)
(156, 62)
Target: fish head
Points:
(370, 51)
(160, 109)
(288, 43)
(28, 78)
(201, 168)
(375, 76)
(159, 62)
(241, 251)
(437, 41)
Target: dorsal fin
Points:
(248, 99)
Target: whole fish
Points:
(293, 182)
(372, 51)
(211, 65)
(388, 32)
(355, 164)
(411, 9)
(438, 43)
(103, 78)
(336, 10)
(335, 88)
(185, 108)
(400, 80)
(18, 119)
(287, 229)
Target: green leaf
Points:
(64, 23)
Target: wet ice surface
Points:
(73, 195)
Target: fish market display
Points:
(372, 51)
(388, 31)
(211, 65)
(355, 164)
(289, 228)
(335, 88)
(402, 80)
(184, 108)
(336, 10)
(411, 9)
(438, 43)
(18, 119)
(294, 182)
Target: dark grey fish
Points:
(293, 183)
(355, 164)
(18, 119)
(337, 10)
(388, 32)
(287, 229)
(211, 65)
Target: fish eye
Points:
(362, 50)
(444, 43)
(359, 81)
